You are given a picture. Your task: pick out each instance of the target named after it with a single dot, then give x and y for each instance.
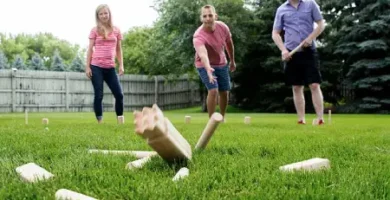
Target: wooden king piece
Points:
(161, 135)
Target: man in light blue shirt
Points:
(296, 18)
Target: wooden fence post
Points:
(155, 89)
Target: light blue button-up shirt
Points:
(298, 23)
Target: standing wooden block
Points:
(26, 116)
(161, 135)
(209, 130)
(188, 119)
(307, 165)
(121, 119)
(329, 116)
(31, 172)
(247, 120)
(64, 194)
(45, 121)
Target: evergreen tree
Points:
(364, 42)
(57, 63)
(37, 62)
(19, 63)
(77, 65)
(3, 61)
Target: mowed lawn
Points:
(240, 162)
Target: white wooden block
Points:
(187, 119)
(182, 173)
(31, 172)
(137, 154)
(64, 194)
(308, 165)
(247, 120)
(138, 163)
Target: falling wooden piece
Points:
(161, 134)
(138, 163)
(209, 130)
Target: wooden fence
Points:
(47, 91)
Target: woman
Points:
(104, 47)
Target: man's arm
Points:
(317, 16)
(202, 53)
(318, 30)
(278, 40)
(230, 49)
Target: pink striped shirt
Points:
(214, 42)
(104, 52)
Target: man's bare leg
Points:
(223, 102)
(299, 102)
(318, 100)
(212, 101)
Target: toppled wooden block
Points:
(31, 172)
(308, 165)
(138, 163)
(161, 135)
(182, 173)
(137, 154)
(64, 194)
(209, 130)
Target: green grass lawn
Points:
(240, 162)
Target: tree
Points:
(57, 62)
(364, 43)
(3, 61)
(44, 44)
(77, 65)
(36, 62)
(19, 63)
(136, 52)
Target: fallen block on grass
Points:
(64, 194)
(308, 165)
(137, 164)
(161, 135)
(182, 173)
(137, 154)
(31, 172)
(209, 130)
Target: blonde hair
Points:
(101, 29)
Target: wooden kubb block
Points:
(32, 173)
(209, 130)
(313, 164)
(161, 135)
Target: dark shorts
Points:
(303, 68)
(223, 78)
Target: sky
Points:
(71, 20)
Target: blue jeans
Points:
(99, 76)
